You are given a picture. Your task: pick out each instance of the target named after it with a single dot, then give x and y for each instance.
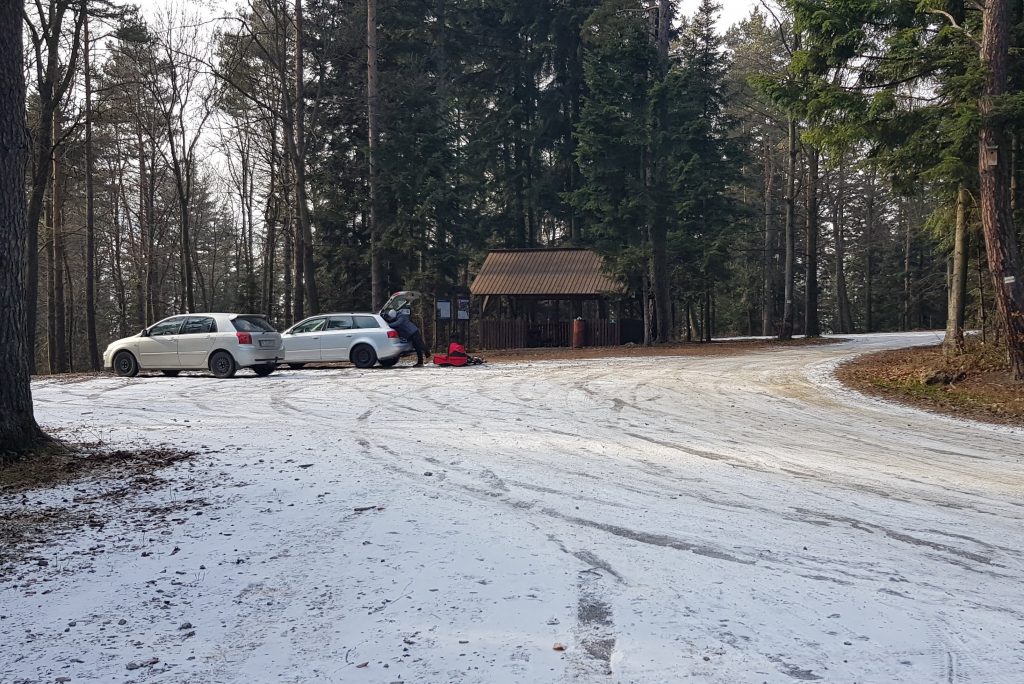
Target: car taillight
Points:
(243, 338)
(393, 334)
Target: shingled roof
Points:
(543, 272)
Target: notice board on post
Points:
(444, 309)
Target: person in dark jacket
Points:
(400, 322)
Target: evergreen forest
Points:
(813, 168)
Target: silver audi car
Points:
(365, 339)
(219, 342)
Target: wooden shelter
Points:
(531, 296)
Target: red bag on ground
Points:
(456, 356)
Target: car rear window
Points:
(252, 324)
(366, 322)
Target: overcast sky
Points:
(732, 10)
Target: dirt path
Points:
(724, 518)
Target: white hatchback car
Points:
(362, 338)
(220, 342)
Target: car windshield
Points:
(252, 324)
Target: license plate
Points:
(267, 343)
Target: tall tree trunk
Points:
(655, 240)
(51, 294)
(377, 294)
(43, 138)
(40, 180)
(770, 240)
(59, 337)
(271, 215)
(658, 225)
(844, 318)
(183, 168)
(145, 283)
(301, 199)
(289, 275)
(298, 253)
(116, 269)
(185, 275)
(18, 429)
(660, 280)
(786, 332)
(994, 170)
(954, 341)
(689, 320)
(907, 273)
(869, 252)
(706, 325)
(90, 214)
(812, 327)
(646, 302)
(982, 307)
(69, 315)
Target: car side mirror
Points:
(144, 333)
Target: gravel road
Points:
(722, 518)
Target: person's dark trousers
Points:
(417, 342)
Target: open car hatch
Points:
(400, 300)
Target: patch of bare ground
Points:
(715, 348)
(67, 487)
(974, 385)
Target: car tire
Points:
(125, 365)
(264, 369)
(296, 366)
(388, 363)
(223, 365)
(363, 356)
(170, 373)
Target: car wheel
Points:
(222, 365)
(388, 363)
(363, 356)
(296, 366)
(125, 365)
(170, 373)
(264, 369)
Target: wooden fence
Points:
(603, 334)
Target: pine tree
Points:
(704, 155)
(612, 137)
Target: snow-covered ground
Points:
(711, 519)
